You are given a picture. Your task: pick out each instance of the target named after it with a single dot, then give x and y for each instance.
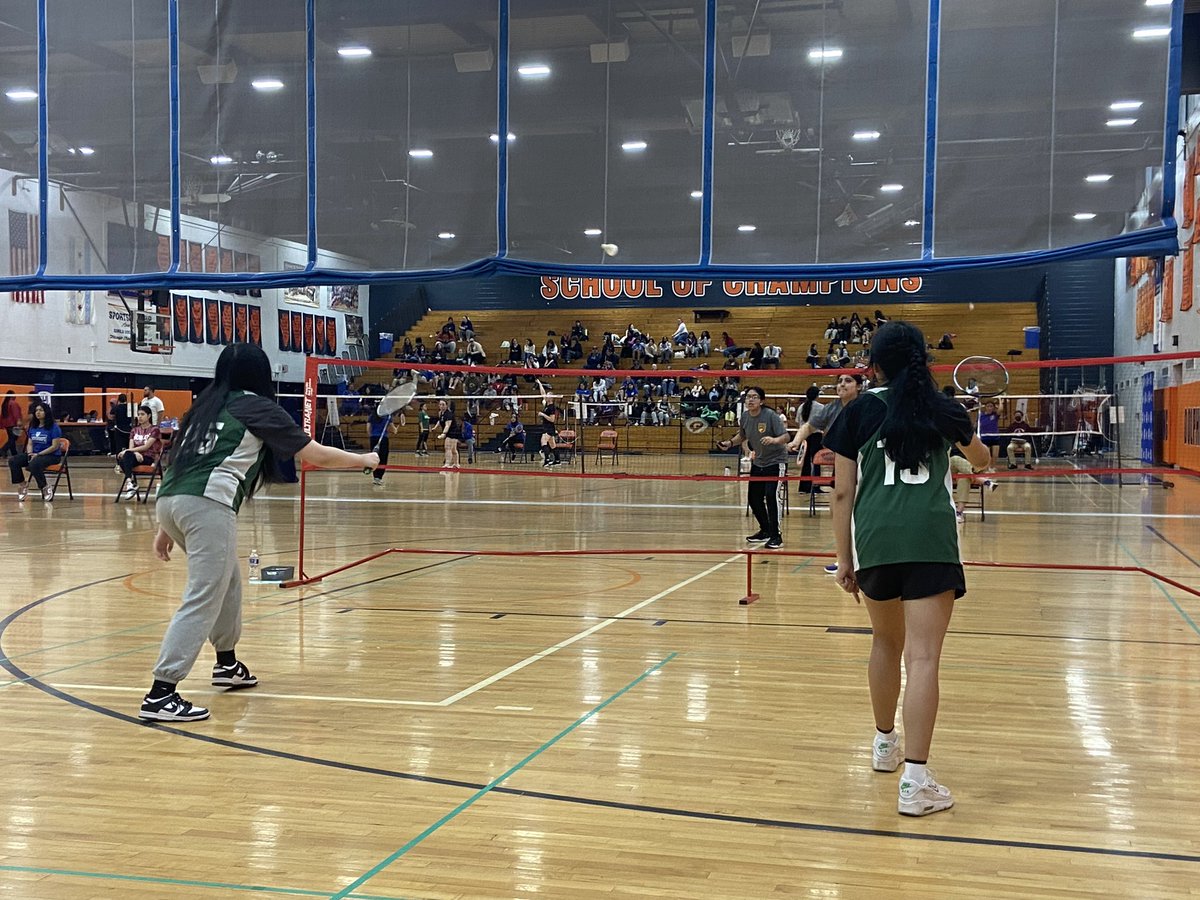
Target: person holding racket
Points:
(893, 515)
(229, 443)
(380, 426)
(763, 432)
(548, 418)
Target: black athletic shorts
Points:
(911, 581)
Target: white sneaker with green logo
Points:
(923, 799)
(886, 755)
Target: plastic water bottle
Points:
(254, 571)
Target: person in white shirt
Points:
(681, 333)
(156, 405)
(771, 354)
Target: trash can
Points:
(1033, 337)
(387, 341)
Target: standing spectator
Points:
(10, 421)
(43, 447)
(156, 405)
(145, 445)
(422, 430)
(764, 433)
(119, 424)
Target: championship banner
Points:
(256, 326)
(195, 257)
(212, 321)
(297, 332)
(254, 264)
(1168, 292)
(308, 333)
(285, 331)
(164, 253)
(331, 335)
(1189, 286)
(179, 317)
(240, 322)
(320, 344)
(210, 259)
(196, 320)
(226, 321)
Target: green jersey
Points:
(900, 516)
(231, 455)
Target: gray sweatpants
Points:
(212, 599)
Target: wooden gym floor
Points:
(478, 727)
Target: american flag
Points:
(23, 242)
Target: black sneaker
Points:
(759, 537)
(774, 543)
(233, 677)
(171, 708)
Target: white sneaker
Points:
(885, 755)
(960, 517)
(23, 493)
(923, 799)
(990, 485)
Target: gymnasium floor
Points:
(472, 726)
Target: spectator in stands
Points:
(574, 350)
(989, 431)
(867, 331)
(44, 446)
(771, 355)
(947, 341)
(578, 332)
(550, 353)
(156, 405)
(813, 359)
(594, 360)
(449, 329)
(754, 358)
(681, 333)
(880, 318)
(705, 342)
(844, 360)
(729, 346)
(691, 345)
(1019, 442)
(10, 421)
(665, 351)
(406, 349)
(831, 330)
(419, 350)
(145, 445)
(475, 353)
(466, 328)
(855, 332)
(530, 354)
(515, 356)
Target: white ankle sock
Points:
(914, 772)
(890, 736)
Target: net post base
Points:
(748, 599)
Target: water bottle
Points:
(254, 572)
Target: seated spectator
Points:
(665, 350)
(880, 318)
(681, 333)
(947, 341)
(514, 433)
(578, 332)
(515, 356)
(691, 345)
(406, 350)
(550, 353)
(771, 356)
(813, 359)
(831, 330)
(855, 332)
(475, 353)
(595, 359)
(466, 328)
(449, 328)
(44, 445)
(755, 359)
(989, 431)
(529, 353)
(419, 350)
(705, 342)
(731, 349)
(1019, 442)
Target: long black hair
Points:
(240, 367)
(909, 431)
(33, 408)
(810, 396)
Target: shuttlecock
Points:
(609, 249)
(971, 306)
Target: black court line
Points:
(358, 584)
(1170, 543)
(674, 812)
(829, 629)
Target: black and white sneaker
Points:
(233, 677)
(774, 543)
(759, 537)
(171, 708)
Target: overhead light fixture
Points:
(21, 94)
(752, 44)
(746, 229)
(614, 52)
(266, 84)
(1158, 2)
(354, 52)
(634, 146)
(823, 54)
(536, 70)
(592, 232)
(446, 235)
(1156, 31)
(495, 138)
(890, 188)
(87, 151)
(1120, 123)
(1125, 105)
(475, 60)
(220, 159)
(697, 195)
(911, 222)
(1097, 179)
(1084, 217)
(421, 153)
(865, 135)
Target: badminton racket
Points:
(390, 404)
(981, 376)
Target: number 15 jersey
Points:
(900, 516)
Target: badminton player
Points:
(230, 441)
(893, 515)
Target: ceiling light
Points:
(866, 135)
(1156, 31)
(633, 146)
(824, 53)
(1125, 105)
(592, 232)
(746, 229)
(891, 188)
(1097, 179)
(697, 195)
(21, 94)
(266, 84)
(354, 52)
(1158, 2)
(446, 235)
(1120, 123)
(87, 151)
(495, 138)
(537, 70)
(911, 222)
(421, 154)
(220, 159)
(1084, 217)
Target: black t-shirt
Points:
(551, 411)
(861, 420)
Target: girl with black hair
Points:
(229, 443)
(893, 515)
(44, 446)
(10, 421)
(763, 433)
(813, 443)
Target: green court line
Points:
(1179, 609)
(348, 890)
(186, 882)
(812, 559)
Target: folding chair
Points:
(607, 444)
(155, 471)
(565, 443)
(61, 468)
(822, 457)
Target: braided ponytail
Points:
(909, 430)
